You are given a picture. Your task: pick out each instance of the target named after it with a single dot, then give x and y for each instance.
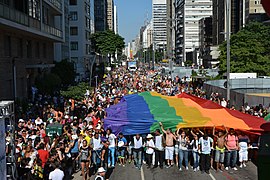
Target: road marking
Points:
(212, 177)
(142, 174)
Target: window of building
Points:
(87, 9)
(87, 35)
(44, 50)
(37, 50)
(28, 49)
(7, 47)
(34, 9)
(87, 23)
(73, 31)
(73, 16)
(255, 2)
(72, 2)
(255, 10)
(74, 46)
(88, 49)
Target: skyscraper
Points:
(159, 15)
(100, 14)
(188, 14)
(110, 14)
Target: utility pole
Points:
(228, 33)
(154, 54)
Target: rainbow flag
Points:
(141, 113)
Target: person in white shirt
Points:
(56, 174)
(96, 146)
(159, 150)
(150, 146)
(112, 140)
(223, 103)
(137, 151)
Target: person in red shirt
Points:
(43, 154)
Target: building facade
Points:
(159, 15)
(81, 28)
(147, 36)
(188, 13)
(100, 14)
(28, 31)
(115, 20)
(110, 15)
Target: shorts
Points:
(121, 153)
(219, 156)
(243, 156)
(85, 161)
(169, 152)
(176, 149)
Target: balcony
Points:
(23, 19)
(57, 4)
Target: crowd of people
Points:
(57, 137)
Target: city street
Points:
(131, 173)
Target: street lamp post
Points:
(154, 53)
(228, 4)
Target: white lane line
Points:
(142, 174)
(212, 177)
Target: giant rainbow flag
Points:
(141, 113)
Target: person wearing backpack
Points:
(205, 145)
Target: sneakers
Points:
(207, 171)
(180, 169)
(235, 169)
(198, 168)
(195, 169)
(244, 165)
(241, 165)
(187, 168)
(227, 168)
(124, 165)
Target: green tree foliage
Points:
(250, 50)
(107, 42)
(48, 83)
(65, 70)
(76, 92)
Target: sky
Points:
(131, 16)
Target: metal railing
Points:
(56, 3)
(23, 19)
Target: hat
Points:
(121, 143)
(149, 136)
(98, 127)
(75, 117)
(66, 116)
(90, 127)
(21, 120)
(101, 169)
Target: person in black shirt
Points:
(104, 154)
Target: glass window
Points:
(74, 46)
(72, 2)
(88, 49)
(73, 31)
(73, 16)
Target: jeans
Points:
(205, 162)
(96, 157)
(137, 155)
(231, 158)
(196, 159)
(159, 157)
(111, 159)
(148, 158)
(183, 154)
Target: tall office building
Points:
(28, 32)
(100, 14)
(115, 20)
(81, 28)
(110, 14)
(147, 38)
(171, 22)
(188, 13)
(159, 15)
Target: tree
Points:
(48, 83)
(250, 50)
(65, 70)
(107, 43)
(76, 92)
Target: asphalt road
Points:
(131, 173)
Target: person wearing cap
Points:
(122, 144)
(101, 174)
(150, 146)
